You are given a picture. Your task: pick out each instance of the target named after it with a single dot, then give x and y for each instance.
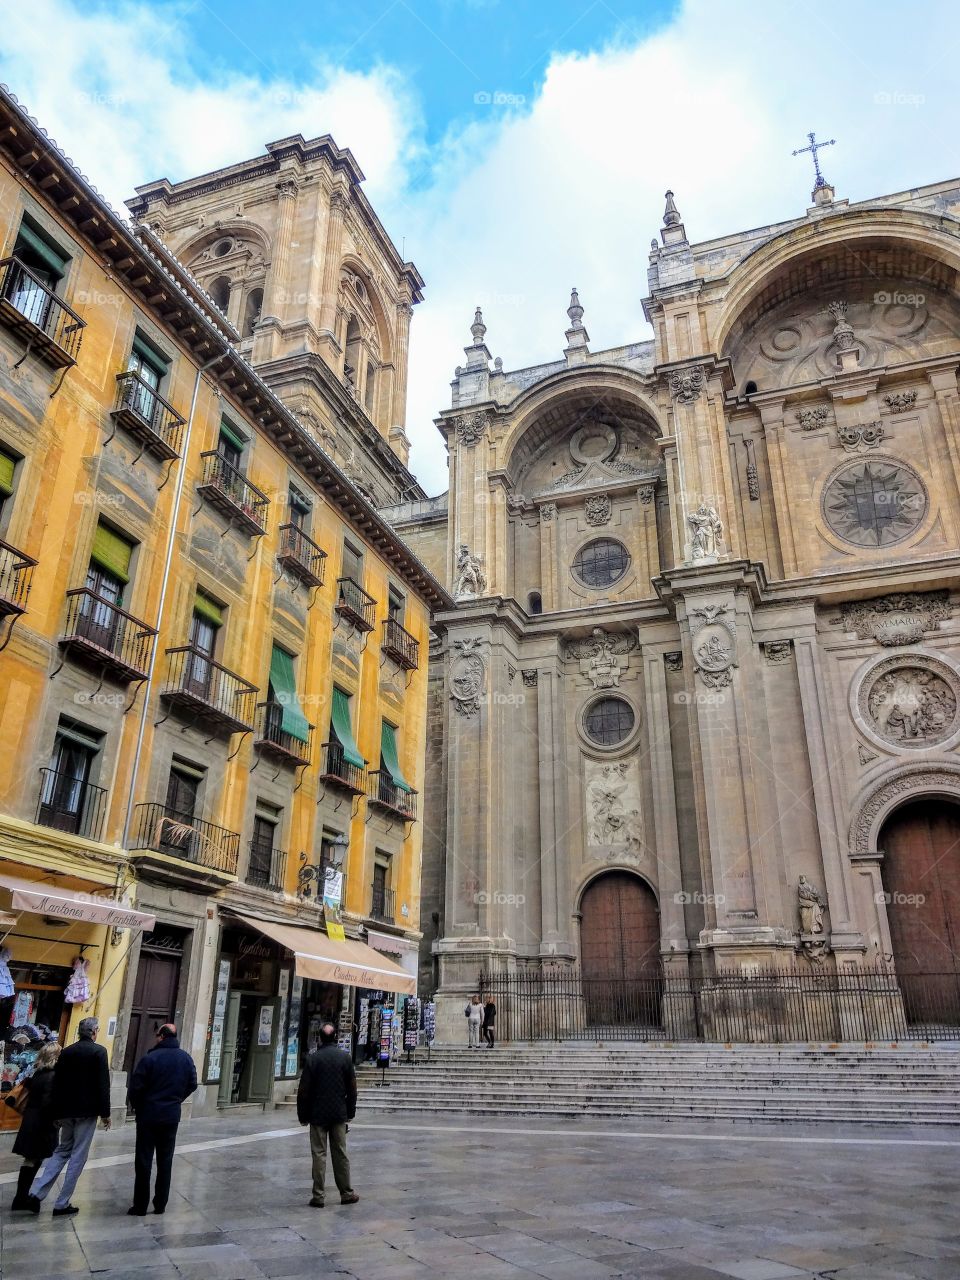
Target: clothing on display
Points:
(78, 988)
(6, 981)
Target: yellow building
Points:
(213, 679)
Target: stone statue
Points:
(811, 907)
(471, 580)
(707, 532)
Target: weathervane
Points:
(813, 148)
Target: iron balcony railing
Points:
(354, 603)
(208, 690)
(381, 904)
(142, 411)
(267, 866)
(71, 804)
(32, 309)
(382, 790)
(16, 575)
(400, 645)
(182, 835)
(107, 635)
(228, 489)
(272, 739)
(301, 555)
(334, 767)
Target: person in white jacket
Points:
(474, 1012)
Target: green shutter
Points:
(150, 354)
(7, 465)
(340, 721)
(208, 609)
(284, 685)
(53, 258)
(112, 552)
(229, 433)
(388, 752)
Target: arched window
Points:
(534, 602)
(351, 354)
(370, 388)
(219, 291)
(251, 311)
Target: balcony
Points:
(354, 603)
(383, 791)
(142, 411)
(70, 804)
(208, 691)
(267, 867)
(271, 739)
(226, 487)
(381, 904)
(107, 636)
(209, 848)
(338, 771)
(16, 574)
(301, 555)
(400, 645)
(34, 312)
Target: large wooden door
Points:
(154, 1001)
(921, 878)
(620, 950)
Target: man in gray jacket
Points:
(326, 1100)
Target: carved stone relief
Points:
(529, 677)
(468, 675)
(814, 418)
(471, 580)
(613, 810)
(674, 661)
(714, 646)
(917, 780)
(777, 652)
(706, 532)
(602, 657)
(855, 437)
(900, 400)
(874, 504)
(897, 619)
(471, 427)
(686, 385)
(598, 509)
(910, 701)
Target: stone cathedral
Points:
(697, 710)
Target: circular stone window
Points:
(601, 563)
(609, 721)
(874, 503)
(222, 248)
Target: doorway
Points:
(154, 992)
(620, 951)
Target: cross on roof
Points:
(813, 148)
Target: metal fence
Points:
(769, 1006)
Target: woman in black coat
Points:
(37, 1135)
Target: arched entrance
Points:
(920, 843)
(620, 951)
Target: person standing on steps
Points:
(81, 1094)
(326, 1100)
(37, 1136)
(162, 1080)
(489, 1022)
(474, 1012)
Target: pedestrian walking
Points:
(37, 1136)
(326, 1100)
(81, 1094)
(489, 1022)
(162, 1081)
(474, 1012)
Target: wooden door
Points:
(259, 1068)
(154, 1002)
(620, 950)
(921, 879)
(228, 1058)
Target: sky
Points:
(512, 149)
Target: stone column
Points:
(549, 542)
(275, 300)
(555, 926)
(332, 256)
(647, 535)
(944, 384)
(699, 427)
(401, 355)
(775, 433)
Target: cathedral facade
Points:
(696, 711)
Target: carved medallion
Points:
(598, 509)
(874, 504)
(686, 385)
(468, 676)
(897, 619)
(910, 702)
(714, 645)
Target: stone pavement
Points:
(454, 1199)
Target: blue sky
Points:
(559, 182)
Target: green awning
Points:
(112, 552)
(390, 759)
(152, 355)
(231, 435)
(340, 723)
(53, 258)
(7, 466)
(283, 684)
(208, 609)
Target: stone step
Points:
(942, 1097)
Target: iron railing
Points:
(301, 555)
(354, 603)
(773, 1006)
(209, 690)
(107, 635)
(272, 739)
(181, 835)
(381, 904)
(336, 768)
(16, 575)
(142, 410)
(382, 790)
(31, 308)
(228, 489)
(400, 645)
(266, 867)
(71, 804)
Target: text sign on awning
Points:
(66, 905)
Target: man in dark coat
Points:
(81, 1093)
(162, 1080)
(326, 1100)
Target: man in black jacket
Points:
(81, 1093)
(162, 1080)
(326, 1100)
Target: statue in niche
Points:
(811, 907)
(471, 580)
(707, 531)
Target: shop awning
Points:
(69, 904)
(350, 962)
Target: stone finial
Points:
(478, 328)
(576, 350)
(575, 311)
(848, 350)
(478, 356)
(673, 232)
(671, 215)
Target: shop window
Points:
(69, 799)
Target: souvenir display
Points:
(78, 988)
